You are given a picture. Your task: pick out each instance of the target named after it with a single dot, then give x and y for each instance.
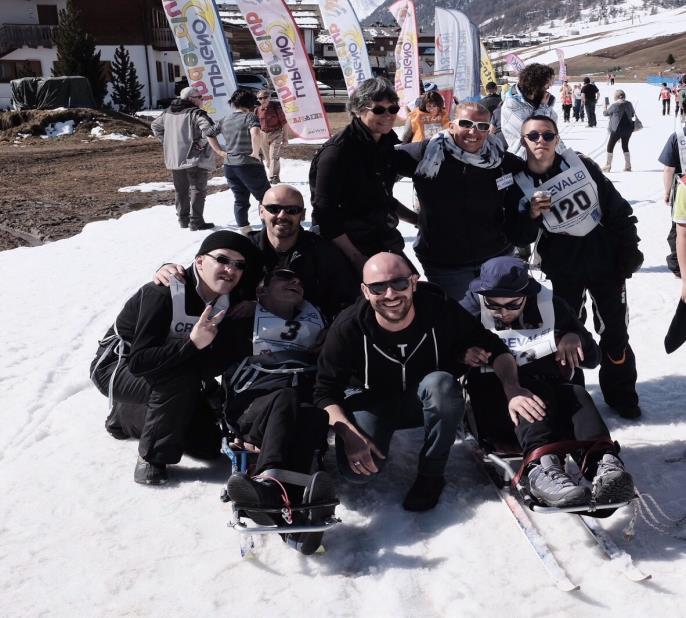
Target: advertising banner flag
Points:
(406, 54)
(515, 62)
(487, 70)
(205, 54)
(458, 50)
(348, 42)
(283, 51)
(563, 65)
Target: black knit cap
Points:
(226, 239)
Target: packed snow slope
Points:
(79, 538)
(594, 36)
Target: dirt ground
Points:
(51, 188)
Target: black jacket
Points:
(491, 102)
(609, 251)
(327, 277)
(463, 219)
(351, 184)
(358, 352)
(565, 322)
(144, 324)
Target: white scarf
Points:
(490, 156)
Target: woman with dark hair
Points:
(621, 126)
(528, 97)
(243, 169)
(427, 119)
(352, 177)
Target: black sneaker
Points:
(424, 493)
(246, 492)
(629, 411)
(147, 473)
(205, 225)
(321, 488)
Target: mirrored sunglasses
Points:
(227, 261)
(511, 306)
(465, 123)
(399, 284)
(378, 110)
(534, 136)
(275, 209)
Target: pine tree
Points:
(76, 52)
(670, 59)
(126, 89)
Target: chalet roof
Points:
(306, 16)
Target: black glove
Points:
(630, 260)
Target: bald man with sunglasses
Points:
(328, 279)
(391, 361)
(461, 176)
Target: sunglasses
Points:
(465, 123)
(399, 284)
(378, 110)
(262, 98)
(534, 136)
(275, 209)
(511, 306)
(227, 261)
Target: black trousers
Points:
(570, 413)
(590, 114)
(168, 416)
(615, 136)
(665, 106)
(672, 260)
(610, 318)
(287, 431)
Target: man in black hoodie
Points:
(401, 348)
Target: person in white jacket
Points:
(528, 97)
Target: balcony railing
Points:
(162, 38)
(13, 36)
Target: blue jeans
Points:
(454, 281)
(437, 405)
(243, 181)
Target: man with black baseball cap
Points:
(548, 343)
(162, 353)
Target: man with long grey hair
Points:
(352, 177)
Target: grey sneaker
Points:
(549, 483)
(612, 484)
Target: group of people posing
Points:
(335, 331)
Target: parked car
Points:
(253, 81)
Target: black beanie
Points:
(226, 239)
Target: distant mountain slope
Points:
(508, 16)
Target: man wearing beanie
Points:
(183, 130)
(157, 362)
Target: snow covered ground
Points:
(595, 36)
(79, 538)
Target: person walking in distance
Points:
(186, 133)
(665, 96)
(274, 133)
(590, 94)
(621, 127)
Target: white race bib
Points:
(273, 334)
(527, 344)
(575, 207)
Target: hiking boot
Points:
(205, 225)
(550, 484)
(246, 492)
(424, 493)
(612, 484)
(147, 473)
(183, 224)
